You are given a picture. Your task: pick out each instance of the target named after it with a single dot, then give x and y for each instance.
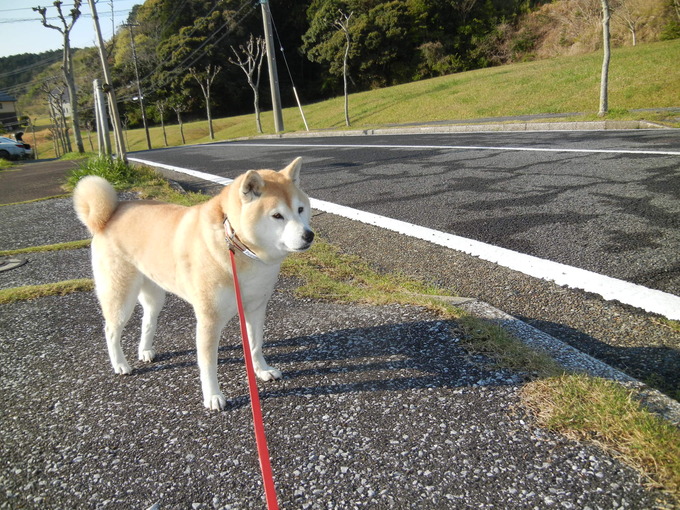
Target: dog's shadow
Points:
(321, 357)
(389, 357)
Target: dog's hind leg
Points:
(117, 308)
(117, 285)
(152, 299)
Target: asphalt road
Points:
(605, 201)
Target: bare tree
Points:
(604, 80)
(59, 127)
(205, 80)
(342, 23)
(465, 7)
(676, 6)
(249, 58)
(162, 106)
(630, 17)
(67, 61)
(179, 106)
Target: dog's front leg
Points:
(255, 326)
(208, 331)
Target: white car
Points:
(14, 149)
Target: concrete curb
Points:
(574, 360)
(472, 128)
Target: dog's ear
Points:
(292, 171)
(251, 186)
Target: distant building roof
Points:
(6, 97)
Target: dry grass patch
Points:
(15, 294)
(594, 409)
(327, 273)
(70, 245)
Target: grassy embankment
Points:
(644, 76)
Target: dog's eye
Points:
(300, 210)
(277, 216)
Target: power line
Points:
(52, 18)
(45, 63)
(189, 60)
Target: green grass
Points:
(5, 164)
(644, 76)
(146, 181)
(121, 175)
(70, 245)
(49, 289)
(588, 408)
(326, 273)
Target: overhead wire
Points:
(190, 59)
(193, 57)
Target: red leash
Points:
(260, 438)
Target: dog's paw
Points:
(122, 369)
(268, 373)
(147, 355)
(216, 402)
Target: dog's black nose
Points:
(308, 236)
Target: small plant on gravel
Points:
(69, 245)
(125, 177)
(121, 175)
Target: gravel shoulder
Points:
(379, 407)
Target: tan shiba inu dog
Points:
(141, 249)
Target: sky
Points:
(21, 30)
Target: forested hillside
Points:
(391, 42)
(20, 69)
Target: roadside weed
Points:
(70, 245)
(147, 182)
(589, 408)
(325, 272)
(121, 175)
(49, 289)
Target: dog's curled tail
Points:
(94, 200)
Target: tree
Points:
(249, 59)
(604, 80)
(179, 105)
(383, 46)
(161, 107)
(67, 62)
(55, 104)
(205, 80)
(342, 23)
(630, 15)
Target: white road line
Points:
(650, 300)
(454, 147)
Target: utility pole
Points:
(271, 63)
(107, 86)
(139, 87)
(102, 120)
